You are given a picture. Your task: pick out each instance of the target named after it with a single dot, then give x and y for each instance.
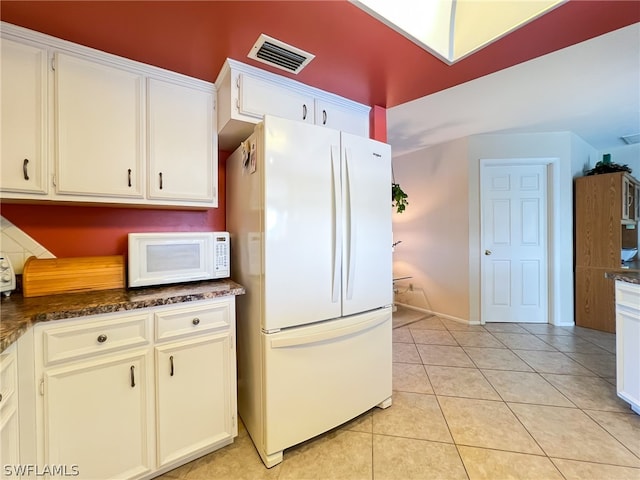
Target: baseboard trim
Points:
(437, 314)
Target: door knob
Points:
(487, 252)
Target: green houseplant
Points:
(398, 198)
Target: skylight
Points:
(454, 29)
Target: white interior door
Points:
(514, 243)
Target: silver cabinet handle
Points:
(195, 321)
(24, 168)
(324, 117)
(487, 252)
(171, 363)
(102, 338)
(129, 176)
(160, 175)
(133, 376)
(304, 111)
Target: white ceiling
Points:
(591, 89)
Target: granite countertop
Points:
(629, 276)
(18, 313)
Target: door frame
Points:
(553, 205)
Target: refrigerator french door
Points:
(308, 210)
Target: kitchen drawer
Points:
(193, 320)
(90, 338)
(8, 376)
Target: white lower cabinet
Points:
(628, 343)
(9, 431)
(132, 395)
(186, 388)
(97, 416)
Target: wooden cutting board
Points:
(50, 276)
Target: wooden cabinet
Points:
(118, 131)
(182, 142)
(99, 128)
(628, 343)
(9, 428)
(246, 94)
(24, 118)
(630, 199)
(605, 222)
(134, 395)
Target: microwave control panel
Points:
(221, 255)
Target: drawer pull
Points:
(195, 321)
(304, 111)
(160, 175)
(129, 177)
(171, 363)
(102, 338)
(0, 397)
(133, 376)
(25, 172)
(324, 117)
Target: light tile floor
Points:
(500, 401)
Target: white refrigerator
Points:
(309, 214)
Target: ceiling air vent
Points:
(631, 139)
(280, 55)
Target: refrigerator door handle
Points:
(350, 234)
(337, 223)
(323, 336)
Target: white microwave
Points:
(175, 257)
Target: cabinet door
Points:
(99, 128)
(627, 198)
(24, 118)
(9, 432)
(259, 97)
(97, 418)
(195, 391)
(341, 117)
(9, 441)
(182, 141)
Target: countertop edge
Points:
(18, 314)
(624, 276)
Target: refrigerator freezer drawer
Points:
(320, 376)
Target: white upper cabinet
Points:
(341, 117)
(99, 128)
(258, 96)
(81, 125)
(182, 142)
(24, 118)
(246, 94)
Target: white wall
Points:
(624, 155)
(442, 253)
(570, 154)
(434, 230)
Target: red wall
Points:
(73, 231)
